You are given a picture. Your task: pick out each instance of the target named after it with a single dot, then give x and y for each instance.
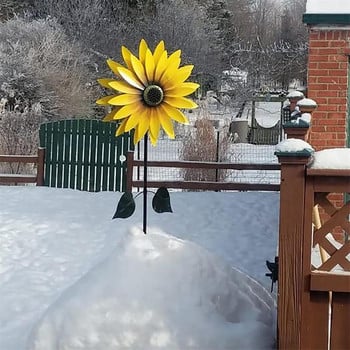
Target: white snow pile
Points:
(334, 158)
(156, 291)
(306, 117)
(293, 145)
(307, 102)
(295, 94)
(327, 7)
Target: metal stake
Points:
(145, 184)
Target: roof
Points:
(335, 12)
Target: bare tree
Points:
(102, 26)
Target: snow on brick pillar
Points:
(328, 70)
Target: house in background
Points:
(328, 71)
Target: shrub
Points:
(18, 135)
(202, 145)
(40, 65)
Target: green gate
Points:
(84, 154)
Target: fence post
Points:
(290, 278)
(129, 170)
(40, 168)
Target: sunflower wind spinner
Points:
(150, 90)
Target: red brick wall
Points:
(327, 84)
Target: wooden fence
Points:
(84, 154)
(199, 185)
(313, 301)
(36, 160)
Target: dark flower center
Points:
(153, 95)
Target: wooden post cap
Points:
(294, 150)
(297, 129)
(307, 105)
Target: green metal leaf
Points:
(161, 201)
(126, 206)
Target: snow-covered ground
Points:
(72, 278)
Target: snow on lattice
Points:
(293, 145)
(335, 158)
(328, 7)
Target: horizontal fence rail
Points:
(16, 178)
(199, 185)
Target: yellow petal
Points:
(125, 99)
(127, 110)
(167, 125)
(154, 126)
(104, 101)
(139, 70)
(174, 113)
(153, 139)
(178, 77)
(110, 116)
(123, 87)
(179, 102)
(150, 66)
(121, 129)
(132, 122)
(183, 89)
(130, 78)
(114, 66)
(105, 82)
(160, 66)
(172, 66)
(135, 135)
(141, 128)
(127, 57)
(158, 51)
(143, 47)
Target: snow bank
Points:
(335, 158)
(158, 292)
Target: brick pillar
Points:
(328, 63)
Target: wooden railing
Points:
(199, 185)
(329, 283)
(313, 299)
(37, 160)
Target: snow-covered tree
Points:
(40, 65)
